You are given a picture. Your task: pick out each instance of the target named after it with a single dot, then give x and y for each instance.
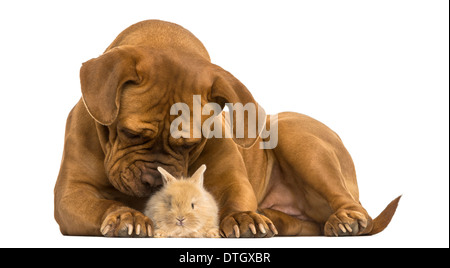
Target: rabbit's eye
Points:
(169, 201)
(192, 205)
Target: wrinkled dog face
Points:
(140, 141)
(129, 92)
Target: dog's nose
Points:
(180, 221)
(151, 177)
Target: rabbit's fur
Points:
(183, 208)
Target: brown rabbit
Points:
(183, 208)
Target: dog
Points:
(119, 133)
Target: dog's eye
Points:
(130, 134)
(189, 143)
(187, 146)
(192, 205)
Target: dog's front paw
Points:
(346, 222)
(126, 222)
(247, 224)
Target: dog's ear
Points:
(248, 119)
(102, 80)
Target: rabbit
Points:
(183, 208)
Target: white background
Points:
(376, 72)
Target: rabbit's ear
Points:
(198, 175)
(167, 177)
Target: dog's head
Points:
(129, 91)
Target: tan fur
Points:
(183, 198)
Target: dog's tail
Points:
(382, 221)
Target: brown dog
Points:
(119, 133)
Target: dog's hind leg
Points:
(291, 226)
(314, 160)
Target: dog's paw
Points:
(247, 224)
(345, 222)
(126, 222)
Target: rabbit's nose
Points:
(180, 221)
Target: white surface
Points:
(376, 72)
